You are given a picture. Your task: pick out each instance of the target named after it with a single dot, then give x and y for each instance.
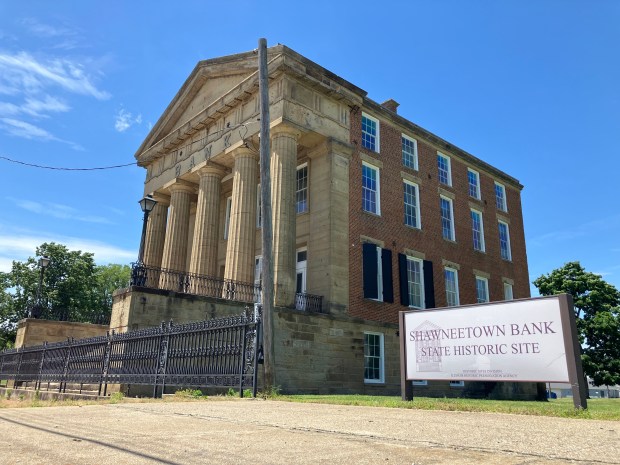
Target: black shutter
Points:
(402, 277)
(386, 269)
(429, 286)
(369, 262)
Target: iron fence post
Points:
(257, 337)
(103, 379)
(37, 384)
(63, 380)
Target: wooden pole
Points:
(267, 234)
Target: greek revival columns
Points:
(156, 232)
(242, 226)
(283, 191)
(175, 247)
(204, 248)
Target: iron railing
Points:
(65, 314)
(309, 302)
(191, 283)
(222, 352)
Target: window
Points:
(412, 205)
(447, 215)
(500, 197)
(258, 274)
(482, 289)
(508, 291)
(473, 178)
(377, 273)
(373, 358)
(227, 219)
(477, 230)
(452, 286)
(443, 165)
(370, 189)
(301, 268)
(457, 383)
(410, 152)
(370, 133)
(419, 382)
(259, 208)
(302, 188)
(415, 282)
(504, 241)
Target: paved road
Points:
(271, 432)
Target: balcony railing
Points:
(309, 302)
(190, 283)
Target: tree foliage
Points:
(598, 318)
(74, 288)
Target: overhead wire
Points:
(59, 168)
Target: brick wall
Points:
(389, 227)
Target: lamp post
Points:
(44, 262)
(139, 273)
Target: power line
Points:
(34, 165)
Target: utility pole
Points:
(267, 230)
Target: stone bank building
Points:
(372, 214)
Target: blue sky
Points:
(532, 87)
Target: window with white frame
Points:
(457, 383)
(373, 358)
(410, 152)
(412, 204)
(504, 240)
(377, 273)
(477, 230)
(500, 197)
(447, 218)
(415, 282)
(302, 188)
(452, 286)
(227, 217)
(508, 291)
(444, 169)
(370, 132)
(482, 289)
(370, 189)
(259, 208)
(473, 179)
(419, 382)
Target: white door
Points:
(300, 285)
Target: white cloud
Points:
(33, 75)
(20, 128)
(21, 246)
(123, 120)
(38, 107)
(57, 210)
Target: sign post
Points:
(532, 340)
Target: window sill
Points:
(415, 228)
(451, 241)
(377, 215)
(374, 382)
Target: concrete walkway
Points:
(271, 432)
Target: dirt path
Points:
(271, 432)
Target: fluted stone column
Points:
(283, 191)
(156, 232)
(242, 227)
(204, 247)
(175, 247)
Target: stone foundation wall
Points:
(34, 332)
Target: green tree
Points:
(598, 318)
(73, 288)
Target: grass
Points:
(598, 409)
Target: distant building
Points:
(372, 214)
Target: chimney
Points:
(391, 105)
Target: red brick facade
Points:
(390, 230)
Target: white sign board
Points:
(508, 341)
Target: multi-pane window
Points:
(473, 179)
(370, 189)
(477, 230)
(302, 188)
(259, 208)
(504, 241)
(447, 218)
(482, 289)
(457, 383)
(377, 273)
(508, 291)
(412, 204)
(227, 217)
(373, 358)
(370, 132)
(444, 170)
(410, 152)
(500, 197)
(452, 286)
(415, 281)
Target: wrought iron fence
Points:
(191, 283)
(222, 352)
(309, 302)
(65, 314)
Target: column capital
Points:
(212, 169)
(161, 198)
(284, 129)
(244, 152)
(182, 186)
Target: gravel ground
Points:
(272, 432)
